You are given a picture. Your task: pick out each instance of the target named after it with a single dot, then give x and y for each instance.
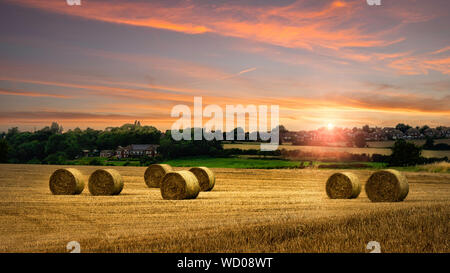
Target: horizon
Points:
(343, 63)
(326, 128)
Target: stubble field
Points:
(247, 211)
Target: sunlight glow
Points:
(330, 126)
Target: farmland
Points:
(381, 147)
(234, 162)
(284, 210)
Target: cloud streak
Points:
(302, 24)
(31, 94)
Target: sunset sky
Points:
(106, 63)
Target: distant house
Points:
(122, 152)
(106, 153)
(413, 133)
(397, 134)
(393, 133)
(431, 132)
(137, 150)
(89, 153)
(445, 131)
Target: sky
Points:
(106, 63)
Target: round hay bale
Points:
(343, 185)
(179, 185)
(66, 181)
(387, 186)
(154, 174)
(105, 182)
(205, 177)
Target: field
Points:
(390, 143)
(373, 149)
(248, 211)
(234, 162)
(242, 162)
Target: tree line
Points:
(50, 145)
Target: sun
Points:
(330, 126)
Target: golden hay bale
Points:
(179, 185)
(205, 177)
(343, 185)
(66, 181)
(105, 182)
(154, 174)
(387, 186)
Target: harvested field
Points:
(248, 211)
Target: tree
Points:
(3, 151)
(424, 128)
(13, 131)
(237, 133)
(366, 128)
(405, 154)
(71, 146)
(55, 128)
(95, 162)
(58, 158)
(29, 150)
(360, 141)
(55, 143)
(282, 131)
(402, 127)
(429, 143)
(170, 148)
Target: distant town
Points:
(366, 133)
(53, 145)
(321, 137)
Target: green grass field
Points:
(104, 162)
(211, 162)
(253, 162)
(233, 162)
(260, 163)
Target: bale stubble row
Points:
(66, 182)
(105, 182)
(387, 186)
(155, 173)
(343, 185)
(382, 186)
(70, 181)
(174, 185)
(179, 185)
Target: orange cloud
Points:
(364, 101)
(103, 90)
(423, 63)
(295, 26)
(331, 29)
